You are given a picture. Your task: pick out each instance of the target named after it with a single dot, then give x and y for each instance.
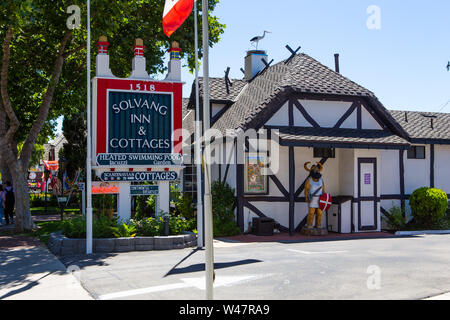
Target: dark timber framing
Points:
(401, 161)
(432, 165)
(347, 114)
(305, 114)
(291, 191)
(290, 194)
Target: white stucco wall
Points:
(346, 171)
(325, 113)
(280, 118)
(389, 172)
(417, 171)
(442, 167)
(367, 121)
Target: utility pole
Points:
(209, 249)
(88, 145)
(198, 150)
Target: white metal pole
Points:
(198, 155)
(209, 249)
(88, 125)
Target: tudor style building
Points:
(373, 158)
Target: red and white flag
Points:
(175, 13)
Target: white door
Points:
(367, 194)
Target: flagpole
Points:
(88, 144)
(209, 249)
(198, 156)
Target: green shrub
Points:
(145, 206)
(109, 227)
(223, 201)
(184, 206)
(102, 227)
(148, 227)
(124, 230)
(428, 206)
(396, 219)
(178, 224)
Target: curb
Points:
(62, 246)
(414, 233)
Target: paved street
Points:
(388, 268)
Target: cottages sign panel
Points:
(134, 123)
(139, 176)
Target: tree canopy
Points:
(40, 25)
(43, 66)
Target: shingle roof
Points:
(338, 136)
(218, 90)
(184, 105)
(418, 124)
(301, 74)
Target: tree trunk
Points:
(23, 220)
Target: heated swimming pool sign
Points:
(134, 123)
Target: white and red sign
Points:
(325, 201)
(134, 123)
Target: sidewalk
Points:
(28, 271)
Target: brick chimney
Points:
(102, 60)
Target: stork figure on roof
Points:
(255, 40)
(448, 66)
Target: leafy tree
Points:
(74, 150)
(43, 67)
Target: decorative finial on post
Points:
(175, 51)
(102, 60)
(139, 48)
(174, 73)
(102, 45)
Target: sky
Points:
(397, 49)
(403, 62)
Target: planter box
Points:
(61, 245)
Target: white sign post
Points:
(89, 133)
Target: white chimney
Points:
(102, 60)
(174, 73)
(253, 63)
(138, 64)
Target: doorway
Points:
(367, 194)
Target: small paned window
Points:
(324, 153)
(416, 152)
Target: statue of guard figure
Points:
(314, 188)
